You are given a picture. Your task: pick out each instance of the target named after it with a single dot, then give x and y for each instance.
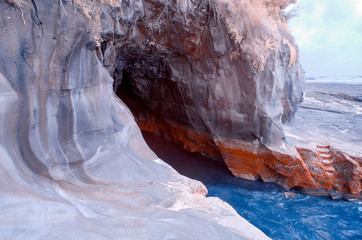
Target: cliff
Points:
(73, 161)
(223, 78)
(219, 77)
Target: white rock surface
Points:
(73, 163)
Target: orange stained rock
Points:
(348, 171)
(190, 140)
(251, 161)
(333, 169)
(324, 176)
(325, 168)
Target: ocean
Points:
(349, 80)
(333, 109)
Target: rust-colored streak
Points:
(252, 162)
(190, 140)
(322, 169)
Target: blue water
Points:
(301, 217)
(263, 204)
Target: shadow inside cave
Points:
(192, 165)
(195, 166)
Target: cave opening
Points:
(126, 93)
(190, 163)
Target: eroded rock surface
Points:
(220, 78)
(73, 162)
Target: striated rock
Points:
(73, 161)
(334, 169)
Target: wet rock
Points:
(335, 195)
(289, 194)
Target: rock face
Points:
(220, 78)
(210, 81)
(73, 161)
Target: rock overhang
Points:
(206, 81)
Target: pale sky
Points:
(329, 35)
